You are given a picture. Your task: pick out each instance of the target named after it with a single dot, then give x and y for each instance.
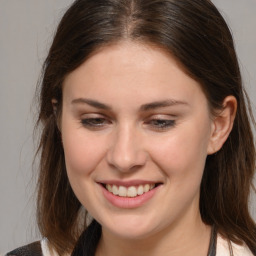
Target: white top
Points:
(45, 248)
(222, 248)
(238, 250)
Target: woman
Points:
(146, 145)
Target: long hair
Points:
(196, 34)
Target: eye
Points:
(161, 124)
(95, 123)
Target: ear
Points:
(54, 106)
(222, 124)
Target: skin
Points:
(166, 144)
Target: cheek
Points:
(83, 154)
(182, 153)
(82, 151)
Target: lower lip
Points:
(129, 202)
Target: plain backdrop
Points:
(26, 30)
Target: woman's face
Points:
(136, 131)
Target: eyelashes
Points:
(161, 124)
(94, 122)
(99, 123)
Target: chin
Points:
(132, 234)
(131, 228)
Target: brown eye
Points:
(161, 124)
(94, 122)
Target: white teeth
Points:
(115, 190)
(122, 191)
(140, 190)
(109, 188)
(131, 191)
(146, 188)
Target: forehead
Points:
(130, 70)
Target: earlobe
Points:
(222, 124)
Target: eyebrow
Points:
(93, 103)
(144, 107)
(162, 104)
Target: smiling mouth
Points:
(131, 191)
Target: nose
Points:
(126, 151)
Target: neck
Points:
(185, 238)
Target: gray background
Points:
(26, 29)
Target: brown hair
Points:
(197, 35)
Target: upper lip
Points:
(128, 183)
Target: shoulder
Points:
(33, 249)
(39, 248)
(223, 248)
